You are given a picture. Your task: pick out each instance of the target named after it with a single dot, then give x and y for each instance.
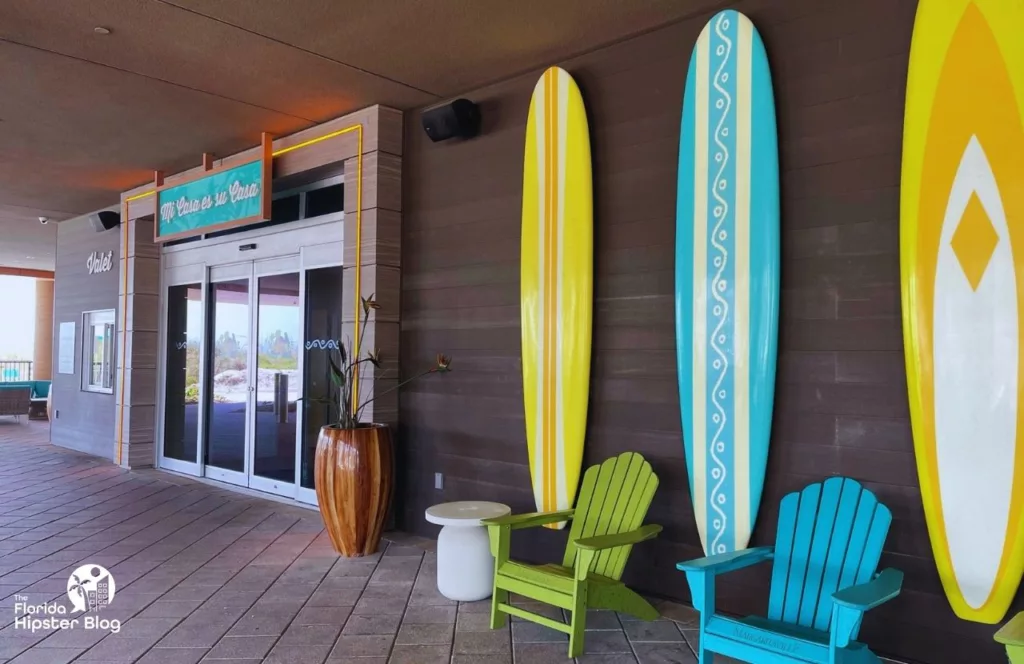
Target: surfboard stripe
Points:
(551, 313)
(699, 322)
(763, 249)
(720, 284)
(539, 291)
(741, 333)
(727, 278)
(561, 117)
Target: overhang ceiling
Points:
(84, 116)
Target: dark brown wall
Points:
(82, 420)
(840, 74)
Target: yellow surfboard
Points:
(962, 257)
(557, 287)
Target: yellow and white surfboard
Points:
(962, 256)
(557, 287)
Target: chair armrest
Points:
(728, 562)
(530, 520)
(868, 595)
(600, 542)
(1012, 633)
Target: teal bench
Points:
(40, 388)
(38, 391)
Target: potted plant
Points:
(354, 459)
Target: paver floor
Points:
(205, 574)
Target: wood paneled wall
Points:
(840, 72)
(81, 420)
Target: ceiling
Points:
(85, 116)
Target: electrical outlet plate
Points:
(438, 481)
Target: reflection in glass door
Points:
(181, 401)
(323, 332)
(278, 380)
(228, 380)
(246, 371)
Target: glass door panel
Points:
(244, 343)
(277, 376)
(228, 375)
(322, 334)
(181, 402)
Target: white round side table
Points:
(465, 567)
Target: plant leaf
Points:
(336, 375)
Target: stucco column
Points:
(42, 351)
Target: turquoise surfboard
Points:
(727, 277)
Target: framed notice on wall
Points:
(217, 198)
(66, 348)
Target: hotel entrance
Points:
(253, 376)
(246, 355)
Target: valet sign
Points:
(99, 262)
(216, 199)
(90, 590)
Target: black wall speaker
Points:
(105, 220)
(456, 118)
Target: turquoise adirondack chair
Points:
(824, 579)
(606, 523)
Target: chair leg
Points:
(499, 596)
(579, 621)
(705, 656)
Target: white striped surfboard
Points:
(727, 277)
(556, 287)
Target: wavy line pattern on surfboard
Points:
(727, 277)
(556, 287)
(962, 259)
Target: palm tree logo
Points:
(77, 590)
(90, 587)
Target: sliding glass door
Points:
(322, 336)
(244, 344)
(277, 382)
(182, 367)
(228, 385)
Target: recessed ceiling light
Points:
(100, 30)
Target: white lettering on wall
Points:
(99, 262)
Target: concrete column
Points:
(380, 254)
(42, 353)
(135, 419)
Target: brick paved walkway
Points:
(204, 574)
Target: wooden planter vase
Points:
(353, 485)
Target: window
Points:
(306, 202)
(325, 200)
(98, 352)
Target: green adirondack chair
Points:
(606, 523)
(824, 579)
(1011, 635)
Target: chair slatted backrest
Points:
(613, 499)
(830, 537)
